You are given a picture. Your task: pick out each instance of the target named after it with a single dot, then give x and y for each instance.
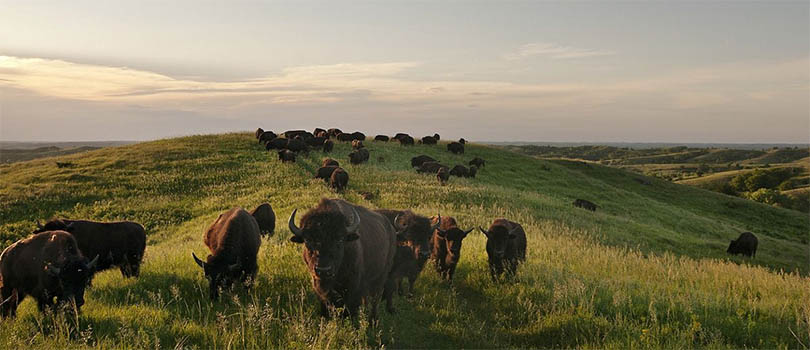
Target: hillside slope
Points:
(647, 269)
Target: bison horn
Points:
(468, 231)
(197, 260)
(39, 225)
(483, 231)
(92, 264)
(355, 223)
(293, 228)
(438, 223)
(397, 225)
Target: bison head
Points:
(53, 225)
(219, 274)
(453, 237)
(497, 237)
(324, 233)
(732, 247)
(416, 232)
(72, 278)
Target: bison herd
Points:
(355, 256)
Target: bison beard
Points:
(349, 260)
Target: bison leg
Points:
(411, 281)
(45, 303)
(10, 300)
(325, 311)
(388, 294)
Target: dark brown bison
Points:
(446, 244)
(429, 140)
(297, 145)
(359, 136)
(414, 233)
(291, 134)
(455, 147)
(421, 159)
(345, 137)
(349, 251)
(473, 171)
(267, 136)
(259, 132)
(382, 138)
(234, 241)
(328, 145)
(265, 218)
(462, 141)
(581, 203)
(406, 141)
(430, 168)
(118, 244)
(477, 162)
(334, 132)
(285, 156)
(359, 156)
(460, 171)
(339, 179)
(506, 247)
(276, 143)
(315, 142)
(357, 144)
(46, 265)
(399, 136)
(325, 172)
(330, 162)
(745, 244)
(437, 137)
(443, 176)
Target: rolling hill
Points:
(647, 270)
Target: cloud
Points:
(554, 51)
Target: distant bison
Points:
(328, 145)
(429, 140)
(318, 131)
(478, 162)
(325, 172)
(506, 247)
(334, 132)
(316, 142)
(473, 171)
(745, 244)
(291, 134)
(455, 147)
(581, 203)
(460, 171)
(297, 145)
(259, 132)
(430, 168)
(359, 136)
(330, 162)
(46, 265)
(344, 137)
(118, 244)
(399, 136)
(286, 156)
(462, 141)
(349, 251)
(446, 245)
(406, 141)
(382, 138)
(265, 218)
(437, 137)
(339, 179)
(357, 144)
(234, 242)
(267, 136)
(359, 156)
(443, 176)
(276, 143)
(421, 159)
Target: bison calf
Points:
(745, 244)
(446, 245)
(506, 247)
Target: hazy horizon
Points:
(592, 72)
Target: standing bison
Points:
(118, 244)
(455, 147)
(406, 141)
(443, 176)
(506, 247)
(477, 162)
(276, 143)
(266, 136)
(234, 241)
(584, 204)
(46, 265)
(446, 242)
(285, 156)
(745, 244)
(325, 172)
(430, 168)
(429, 140)
(417, 161)
(358, 156)
(259, 131)
(357, 144)
(460, 171)
(349, 251)
(382, 138)
(265, 218)
(330, 162)
(339, 179)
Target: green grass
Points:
(647, 270)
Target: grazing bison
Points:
(399, 136)
(359, 136)
(413, 250)
(291, 134)
(286, 155)
(349, 251)
(462, 141)
(265, 218)
(406, 141)
(334, 132)
(455, 147)
(328, 145)
(325, 172)
(443, 176)
(430, 168)
(46, 265)
(234, 241)
(315, 142)
(506, 247)
(119, 244)
(420, 159)
(745, 244)
(297, 145)
(581, 203)
(357, 144)
(358, 156)
(437, 137)
(478, 162)
(339, 179)
(446, 243)
(267, 136)
(429, 140)
(276, 143)
(330, 162)
(460, 171)
(259, 132)
(344, 137)
(382, 138)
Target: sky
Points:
(595, 71)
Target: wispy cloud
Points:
(553, 51)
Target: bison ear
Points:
(351, 237)
(297, 239)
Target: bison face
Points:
(73, 278)
(498, 237)
(453, 238)
(218, 274)
(732, 247)
(131, 266)
(325, 235)
(53, 225)
(416, 232)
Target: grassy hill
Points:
(647, 270)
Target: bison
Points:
(259, 132)
(581, 203)
(349, 251)
(286, 155)
(382, 138)
(462, 141)
(45, 265)
(266, 136)
(325, 172)
(430, 167)
(359, 136)
(318, 131)
(460, 171)
(477, 162)
(473, 171)
(443, 176)
(334, 132)
(446, 244)
(330, 162)
(119, 244)
(437, 137)
(455, 147)
(265, 218)
(316, 142)
(506, 247)
(399, 136)
(276, 143)
(429, 140)
(357, 144)
(406, 141)
(344, 137)
(359, 156)
(291, 134)
(234, 241)
(339, 179)
(745, 244)
(297, 145)
(417, 161)
(328, 145)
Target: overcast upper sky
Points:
(497, 71)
